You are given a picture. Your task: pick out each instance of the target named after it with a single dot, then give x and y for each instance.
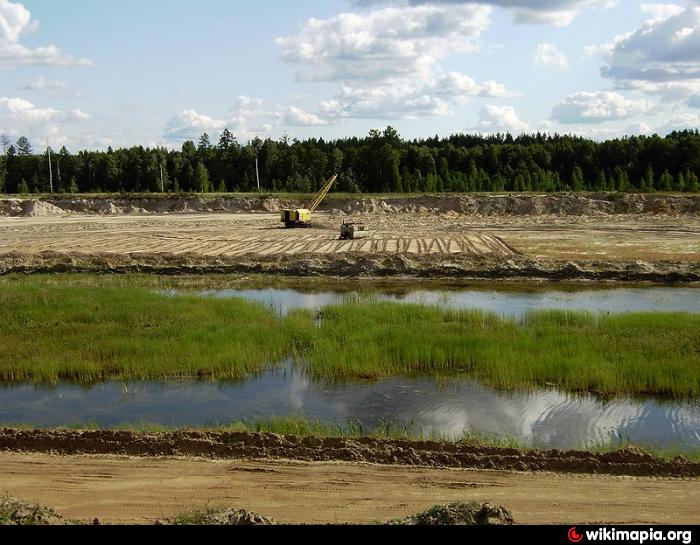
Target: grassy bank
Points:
(61, 331)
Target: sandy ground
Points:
(229, 235)
(562, 238)
(141, 490)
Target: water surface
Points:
(544, 418)
(507, 302)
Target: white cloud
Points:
(661, 58)
(660, 12)
(19, 117)
(679, 123)
(495, 119)
(41, 83)
(664, 48)
(551, 12)
(247, 110)
(670, 91)
(398, 102)
(24, 112)
(254, 117)
(386, 61)
(548, 57)
(383, 45)
(637, 128)
(595, 107)
(410, 101)
(296, 117)
(455, 85)
(247, 118)
(16, 20)
(189, 125)
(74, 115)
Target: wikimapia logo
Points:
(634, 536)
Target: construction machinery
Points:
(302, 216)
(353, 231)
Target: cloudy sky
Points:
(89, 74)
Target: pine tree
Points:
(680, 183)
(201, 178)
(691, 182)
(24, 148)
(577, 181)
(23, 187)
(666, 181)
(602, 183)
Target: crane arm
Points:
(322, 194)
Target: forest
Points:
(381, 162)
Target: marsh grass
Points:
(647, 353)
(62, 330)
(55, 332)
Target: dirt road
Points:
(141, 490)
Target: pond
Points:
(543, 418)
(504, 301)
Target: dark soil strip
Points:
(629, 461)
(353, 266)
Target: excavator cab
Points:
(302, 216)
(296, 218)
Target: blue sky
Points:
(89, 74)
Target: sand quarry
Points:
(564, 237)
(595, 237)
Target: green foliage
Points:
(381, 162)
(201, 179)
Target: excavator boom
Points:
(322, 194)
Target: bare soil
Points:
(629, 461)
(592, 237)
(142, 490)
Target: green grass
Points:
(59, 332)
(647, 353)
(89, 330)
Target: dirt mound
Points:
(462, 514)
(223, 517)
(376, 451)
(40, 209)
(14, 512)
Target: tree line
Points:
(380, 162)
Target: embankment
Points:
(257, 446)
(353, 265)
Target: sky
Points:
(89, 74)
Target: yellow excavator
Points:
(302, 216)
